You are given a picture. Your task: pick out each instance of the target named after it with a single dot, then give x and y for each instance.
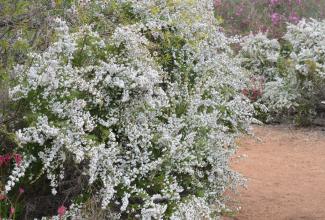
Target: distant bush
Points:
(136, 111)
(294, 74)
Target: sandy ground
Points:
(286, 174)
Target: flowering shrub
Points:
(146, 111)
(293, 73)
(307, 56)
(308, 50)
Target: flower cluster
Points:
(17, 172)
(5, 159)
(148, 112)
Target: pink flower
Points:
(275, 17)
(21, 190)
(61, 210)
(4, 159)
(12, 210)
(294, 18)
(274, 2)
(245, 92)
(239, 10)
(2, 197)
(18, 158)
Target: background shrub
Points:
(293, 78)
(271, 16)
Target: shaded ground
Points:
(286, 174)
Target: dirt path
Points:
(285, 172)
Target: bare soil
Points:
(285, 169)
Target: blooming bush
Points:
(307, 56)
(293, 73)
(308, 47)
(146, 111)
